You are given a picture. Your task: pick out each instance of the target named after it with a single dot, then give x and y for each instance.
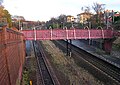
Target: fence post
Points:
(5, 52)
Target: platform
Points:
(90, 49)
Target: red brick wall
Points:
(12, 54)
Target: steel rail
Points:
(43, 69)
(106, 68)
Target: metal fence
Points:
(12, 54)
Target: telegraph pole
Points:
(107, 17)
(113, 17)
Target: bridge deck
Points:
(56, 34)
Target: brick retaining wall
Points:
(12, 55)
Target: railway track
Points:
(44, 69)
(105, 70)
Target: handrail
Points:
(86, 27)
(88, 31)
(102, 31)
(99, 27)
(10, 30)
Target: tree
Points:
(56, 22)
(4, 14)
(62, 18)
(1, 11)
(117, 19)
(86, 9)
(116, 25)
(98, 8)
(8, 17)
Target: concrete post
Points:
(70, 48)
(107, 45)
(67, 47)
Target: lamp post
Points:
(72, 24)
(107, 17)
(62, 25)
(19, 24)
(113, 17)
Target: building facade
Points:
(70, 18)
(83, 17)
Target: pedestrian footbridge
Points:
(57, 34)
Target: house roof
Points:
(84, 14)
(70, 16)
(116, 15)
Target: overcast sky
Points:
(43, 10)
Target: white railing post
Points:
(102, 31)
(66, 32)
(50, 32)
(88, 32)
(34, 33)
(74, 33)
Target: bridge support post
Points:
(107, 45)
(34, 33)
(69, 47)
(70, 54)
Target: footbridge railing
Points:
(56, 34)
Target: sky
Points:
(43, 10)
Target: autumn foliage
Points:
(5, 17)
